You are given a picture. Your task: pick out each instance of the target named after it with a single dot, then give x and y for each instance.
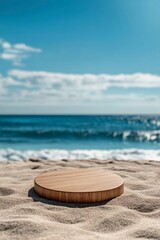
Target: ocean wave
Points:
(56, 154)
(137, 136)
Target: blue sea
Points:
(80, 137)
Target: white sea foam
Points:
(122, 154)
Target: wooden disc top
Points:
(79, 185)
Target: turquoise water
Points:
(80, 132)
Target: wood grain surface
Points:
(79, 185)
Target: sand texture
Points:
(134, 215)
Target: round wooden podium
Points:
(79, 185)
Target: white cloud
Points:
(9, 56)
(43, 88)
(6, 45)
(91, 81)
(17, 52)
(24, 47)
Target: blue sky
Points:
(70, 56)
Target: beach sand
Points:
(134, 215)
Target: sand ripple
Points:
(134, 215)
